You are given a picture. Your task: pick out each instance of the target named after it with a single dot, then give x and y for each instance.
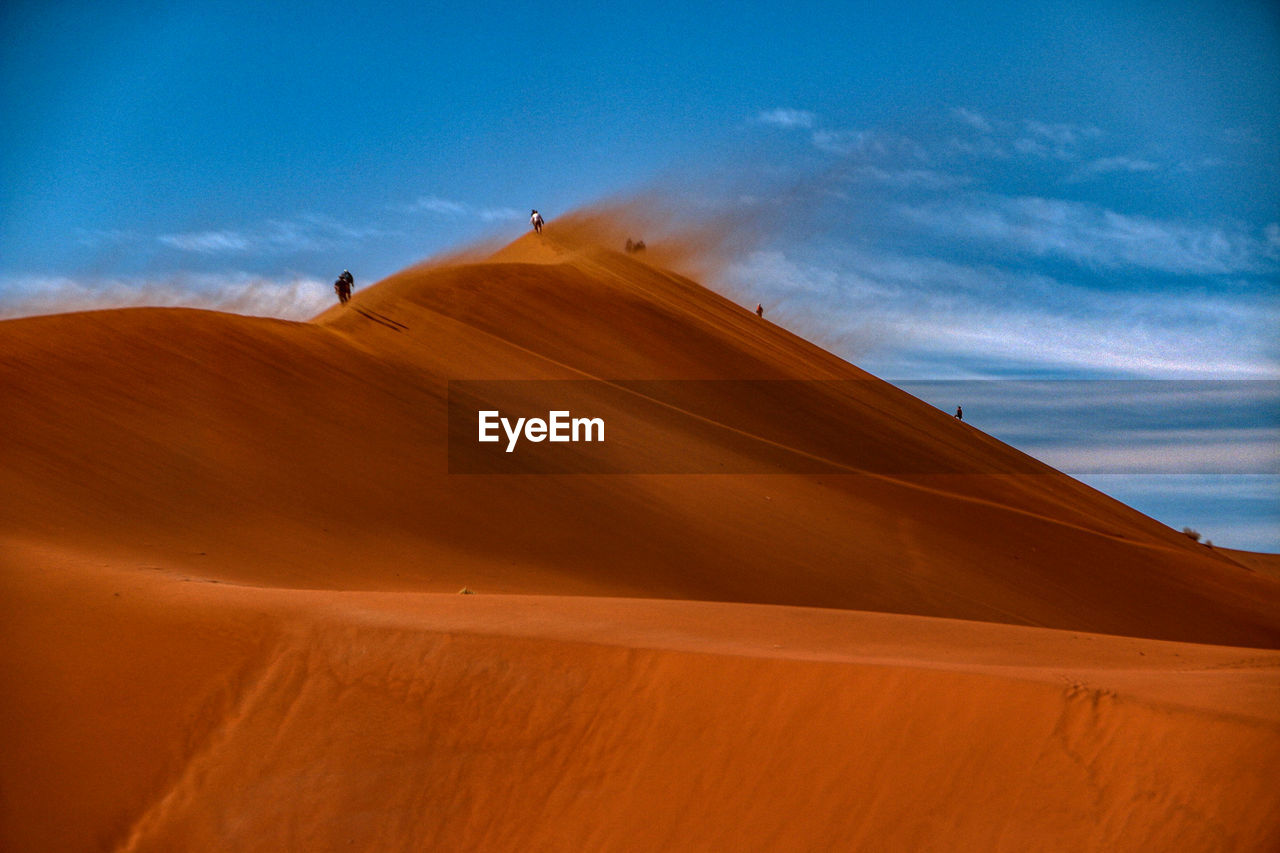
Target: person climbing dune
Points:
(343, 286)
(536, 220)
(759, 310)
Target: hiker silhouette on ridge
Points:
(343, 286)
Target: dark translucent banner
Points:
(852, 426)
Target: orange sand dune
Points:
(171, 713)
(225, 540)
(1265, 564)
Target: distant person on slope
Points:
(343, 286)
(535, 219)
(759, 310)
(959, 413)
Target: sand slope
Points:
(168, 713)
(231, 545)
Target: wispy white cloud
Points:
(863, 144)
(1094, 236)
(448, 207)
(869, 144)
(435, 204)
(1101, 166)
(984, 147)
(1233, 510)
(999, 139)
(1061, 141)
(842, 142)
(918, 316)
(1125, 426)
(328, 228)
(1208, 451)
(207, 242)
(1148, 443)
(975, 120)
(1063, 134)
(1036, 148)
(498, 214)
(928, 179)
(294, 297)
(1057, 141)
(787, 118)
(307, 232)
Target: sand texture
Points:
(231, 550)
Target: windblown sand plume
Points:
(233, 549)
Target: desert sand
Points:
(231, 550)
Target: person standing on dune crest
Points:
(535, 219)
(759, 310)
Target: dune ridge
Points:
(232, 548)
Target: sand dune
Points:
(232, 548)
(214, 716)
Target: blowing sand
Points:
(232, 549)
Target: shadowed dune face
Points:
(229, 547)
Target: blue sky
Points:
(949, 190)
